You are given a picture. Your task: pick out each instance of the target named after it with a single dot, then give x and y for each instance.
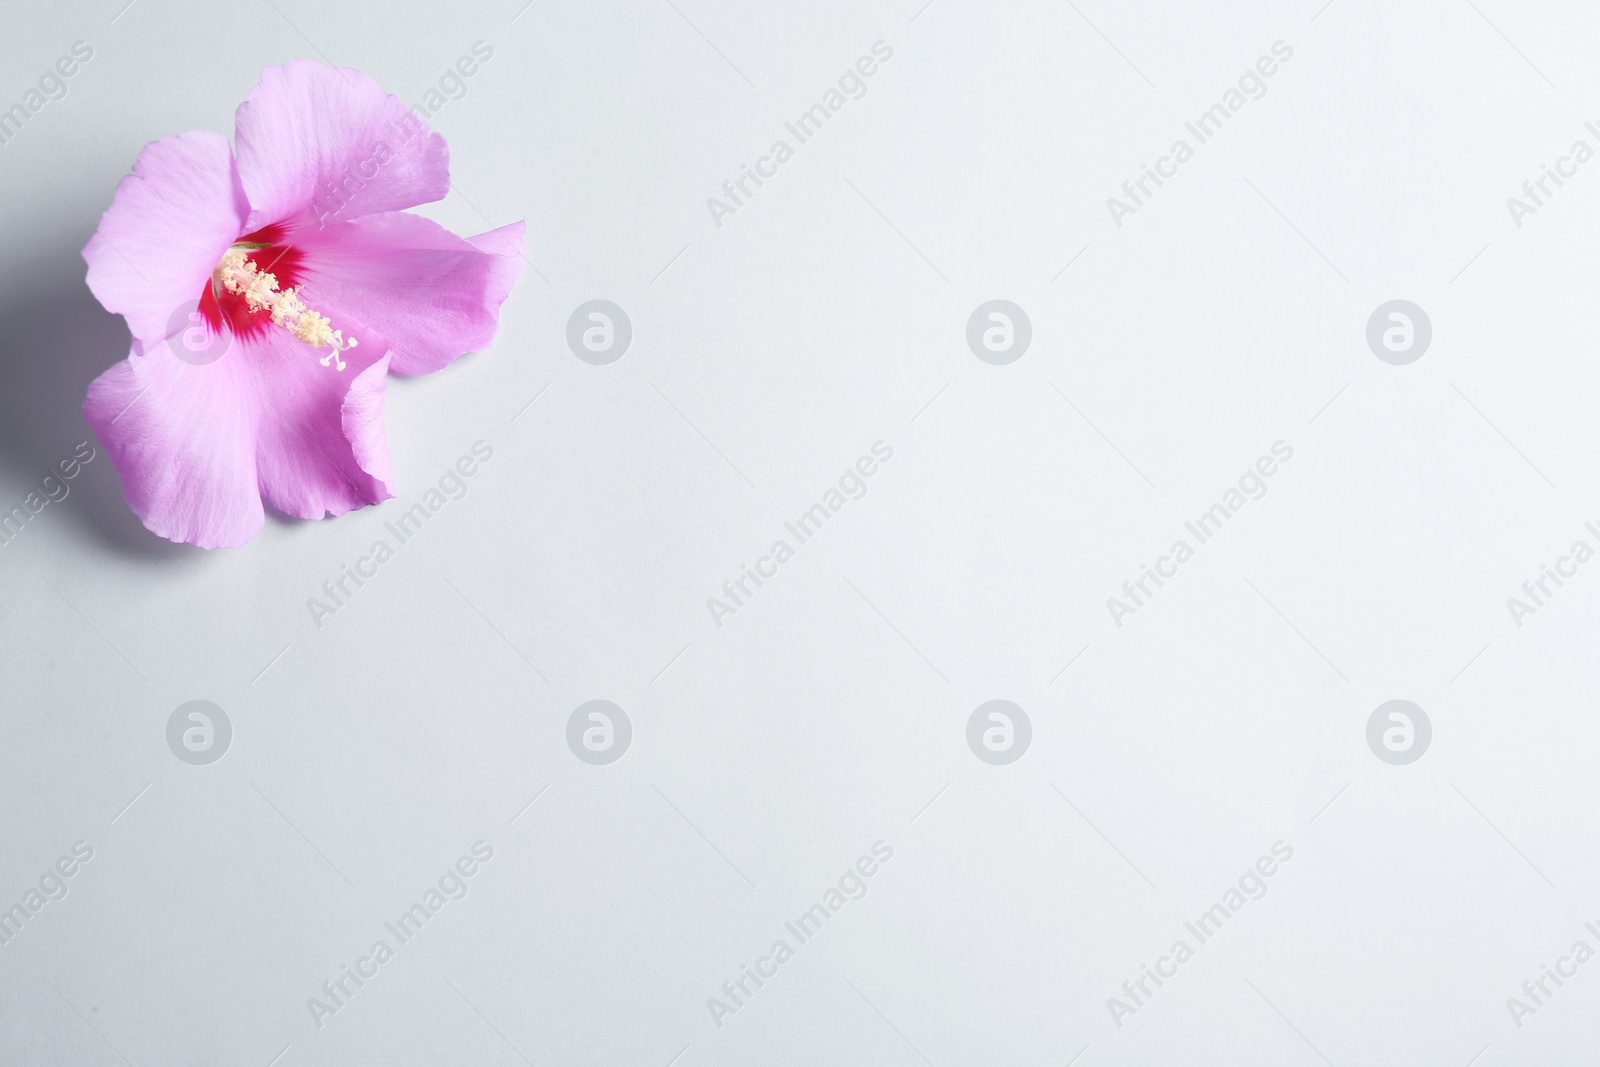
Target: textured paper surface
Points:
(833, 360)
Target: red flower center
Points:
(271, 256)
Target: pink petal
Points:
(183, 439)
(167, 227)
(318, 142)
(361, 417)
(199, 445)
(308, 466)
(434, 295)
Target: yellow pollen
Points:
(238, 274)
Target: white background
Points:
(830, 712)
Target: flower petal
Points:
(308, 465)
(199, 445)
(361, 417)
(316, 141)
(434, 295)
(168, 225)
(183, 439)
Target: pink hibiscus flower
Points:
(270, 289)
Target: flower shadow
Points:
(55, 339)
